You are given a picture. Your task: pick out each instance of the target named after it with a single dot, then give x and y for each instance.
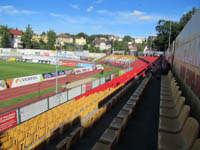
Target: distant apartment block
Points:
(80, 41)
(152, 37)
(63, 38)
(140, 40)
(15, 39)
(102, 43)
(113, 37)
(37, 38)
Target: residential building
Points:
(140, 40)
(39, 37)
(36, 38)
(80, 41)
(153, 37)
(15, 39)
(102, 43)
(63, 38)
(113, 37)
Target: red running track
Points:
(28, 89)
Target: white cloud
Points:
(137, 13)
(106, 12)
(90, 9)
(55, 15)
(146, 18)
(98, 1)
(75, 6)
(11, 10)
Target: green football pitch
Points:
(19, 69)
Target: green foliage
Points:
(85, 47)
(42, 44)
(186, 17)
(27, 36)
(35, 44)
(163, 30)
(119, 45)
(141, 46)
(69, 46)
(51, 37)
(127, 38)
(43, 34)
(82, 35)
(150, 43)
(4, 36)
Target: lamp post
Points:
(170, 26)
(151, 41)
(56, 69)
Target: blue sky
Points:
(119, 17)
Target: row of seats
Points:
(40, 128)
(112, 134)
(119, 60)
(88, 121)
(177, 131)
(150, 59)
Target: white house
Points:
(62, 39)
(15, 39)
(140, 40)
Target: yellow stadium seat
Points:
(42, 132)
(6, 145)
(21, 137)
(29, 140)
(4, 139)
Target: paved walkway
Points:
(142, 129)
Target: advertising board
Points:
(8, 120)
(74, 92)
(21, 81)
(95, 83)
(32, 110)
(83, 90)
(82, 70)
(52, 75)
(2, 85)
(85, 65)
(54, 101)
(72, 64)
(102, 80)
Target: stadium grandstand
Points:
(149, 103)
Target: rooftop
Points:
(16, 32)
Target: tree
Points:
(82, 35)
(51, 37)
(163, 30)
(186, 17)
(141, 46)
(4, 36)
(42, 44)
(43, 34)
(27, 36)
(127, 38)
(35, 45)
